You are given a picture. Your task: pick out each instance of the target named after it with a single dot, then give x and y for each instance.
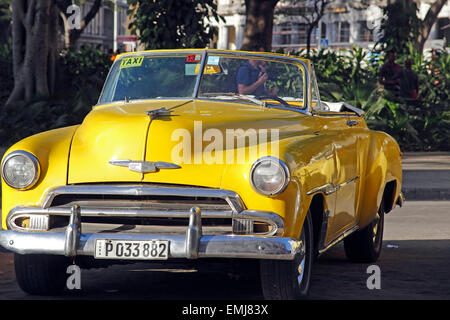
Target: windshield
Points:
(152, 77)
(225, 76)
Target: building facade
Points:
(100, 31)
(344, 24)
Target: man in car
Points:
(251, 79)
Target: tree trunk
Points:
(34, 33)
(308, 39)
(428, 23)
(258, 27)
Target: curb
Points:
(417, 194)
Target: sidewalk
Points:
(426, 175)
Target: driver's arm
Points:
(250, 89)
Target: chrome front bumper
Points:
(192, 245)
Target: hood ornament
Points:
(161, 112)
(144, 166)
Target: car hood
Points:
(189, 137)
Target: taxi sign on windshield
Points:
(131, 62)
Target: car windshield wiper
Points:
(275, 98)
(237, 96)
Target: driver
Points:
(251, 78)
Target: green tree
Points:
(402, 25)
(427, 23)
(170, 24)
(399, 27)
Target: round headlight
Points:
(20, 170)
(269, 176)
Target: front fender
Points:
(383, 165)
(52, 149)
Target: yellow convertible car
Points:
(201, 154)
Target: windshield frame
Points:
(205, 53)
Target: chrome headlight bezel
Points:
(283, 169)
(35, 164)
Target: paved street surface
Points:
(414, 265)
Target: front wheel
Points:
(40, 274)
(289, 280)
(365, 245)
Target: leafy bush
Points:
(418, 125)
(422, 124)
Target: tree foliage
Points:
(399, 26)
(5, 20)
(171, 24)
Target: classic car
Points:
(180, 160)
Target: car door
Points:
(336, 133)
(348, 175)
(338, 127)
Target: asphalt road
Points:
(414, 264)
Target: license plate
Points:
(132, 250)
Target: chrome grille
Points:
(143, 208)
(147, 209)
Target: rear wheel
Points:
(40, 274)
(365, 245)
(289, 280)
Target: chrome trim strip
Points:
(330, 188)
(232, 198)
(274, 220)
(327, 189)
(200, 74)
(339, 238)
(115, 212)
